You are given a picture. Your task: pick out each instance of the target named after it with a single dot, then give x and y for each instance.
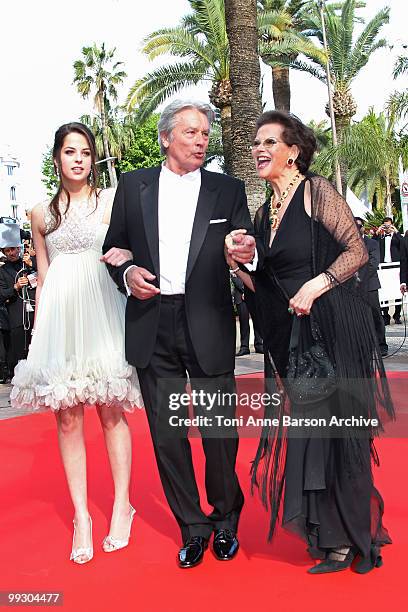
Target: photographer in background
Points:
(13, 283)
(390, 242)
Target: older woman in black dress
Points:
(309, 253)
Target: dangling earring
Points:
(91, 178)
(57, 172)
(290, 162)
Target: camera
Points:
(25, 235)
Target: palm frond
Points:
(156, 86)
(401, 67)
(366, 43)
(305, 67)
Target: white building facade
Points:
(10, 197)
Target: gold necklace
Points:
(274, 208)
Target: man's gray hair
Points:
(168, 119)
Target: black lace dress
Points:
(326, 501)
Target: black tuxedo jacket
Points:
(9, 296)
(134, 226)
(395, 247)
(368, 273)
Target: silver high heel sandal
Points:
(81, 552)
(114, 542)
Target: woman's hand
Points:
(116, 257)
(230, 261)
(302, 301)
(240, 246)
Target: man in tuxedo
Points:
(369, 276)
(390, 250)
(179, 315)
(20, 320)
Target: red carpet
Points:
(36, 532)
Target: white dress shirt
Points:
(178, 197)
(387, 249)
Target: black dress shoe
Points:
(387, 320)
(192, 552)
(397, 321)
(259, 350)
(384, 352)
(225, 545)
(332, 564)
(242, 352)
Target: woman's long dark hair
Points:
(59, 138)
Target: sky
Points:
(39, 42)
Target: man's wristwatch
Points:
(233, 272)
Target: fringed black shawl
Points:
(343, 320)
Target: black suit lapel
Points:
(207, 198)
(149, 201)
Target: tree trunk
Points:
(341, 124)
(281, 88)
(241, 22)
(225, 112)
(111, 169)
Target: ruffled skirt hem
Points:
(41, 389)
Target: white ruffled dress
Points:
(77, 353)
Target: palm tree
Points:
(92, 74)
(398, 102)
(201, 44)
(374, 148)
(245, 74)
(119, 132)
(284, 34)
(347, 59)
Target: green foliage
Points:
(374, 219)
(49, 177)
(200, 44)
(92, 73)
(398, 101)
(285, 34)
(144, 151)
(346, 55)
(322, 163)
(119, 132)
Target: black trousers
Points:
(378, 318)
(172, 360)
(386, 314)
(250, 302)
(4, 345)
(243, 315)
(19, 342)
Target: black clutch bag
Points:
(310, 376)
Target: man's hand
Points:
(240, 247)
(27, 260)
(136, 279)
(22, 281)
(116, 257)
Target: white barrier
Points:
(389, 275)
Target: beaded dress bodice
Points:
(81, 228)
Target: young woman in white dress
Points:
(77, 354)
